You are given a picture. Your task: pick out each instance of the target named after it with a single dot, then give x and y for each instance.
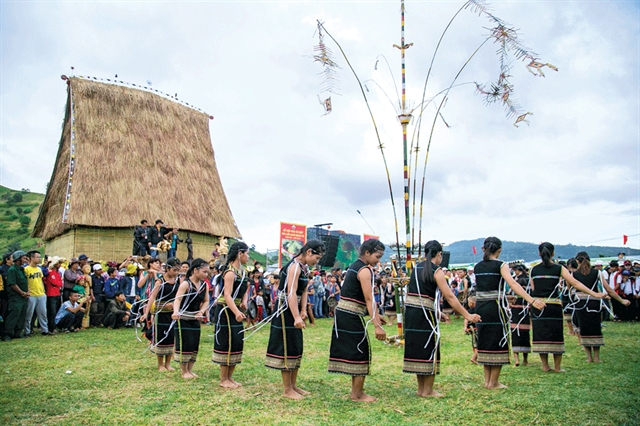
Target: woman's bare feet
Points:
(559, 370)
(430, 394)
(169, 368)
(238, 385)
(162, 368)
(363, 398)
(301, 391)
(497, 386)
(228, 384)
(292, 394)
(188, 376)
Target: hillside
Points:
(18, 213)
(462, 251)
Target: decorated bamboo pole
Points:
(405, 118)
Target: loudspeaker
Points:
(445, 259)
(331, 250)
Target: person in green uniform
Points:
(18, 294)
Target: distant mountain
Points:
(462, 251)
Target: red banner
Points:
(625, 239)
(366, 237)
(474, 249)
(292, 237)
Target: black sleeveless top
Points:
(240, 284)
(303, 278)
(488, 276)
(193, 298)
(545, 280)
(351, 288)
(167, 291)
(426, 288)
(590, 280)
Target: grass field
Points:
(112, 380)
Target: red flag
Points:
(474, 249)
(625, 238)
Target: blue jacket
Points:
(111, 285)
(125, 285)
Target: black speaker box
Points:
(331, 250)
(445, 259)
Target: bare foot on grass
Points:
(162, 369)
(301, 391)
(363, 398)
(559, 370)
(291, 394)
(431, 394)
(169, 368)
(188, 376)
(238, 385)
(497, 386)
(228, 384)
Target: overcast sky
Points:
(571, 176)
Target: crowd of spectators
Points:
(55, 294)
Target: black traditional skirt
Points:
(284, 351)
(350, 352)
(227, 342)
(474, 337)
(493, 348)
(187, 338)
(547, 325)
(520, 327)
(421, 349)
(589, 321)
(163, 337)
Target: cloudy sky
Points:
(571, 176)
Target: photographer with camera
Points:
(69, 317)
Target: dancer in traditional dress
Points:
(567, 300)
(158, 314)
(422, 322)
(588, 309)
(521, 321)
(548, 336)
(491, 304)
(350, 353)
(228, 343)
(284, 352)
(471, 329)
(189, 308)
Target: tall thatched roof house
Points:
(125, 155)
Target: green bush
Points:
(13, 246)
(27, 210)
(12, 217)
(19, 210)
(17, 197)
(22, 230)
(25, 220)
(7, 212)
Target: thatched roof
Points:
(138, 156)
